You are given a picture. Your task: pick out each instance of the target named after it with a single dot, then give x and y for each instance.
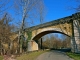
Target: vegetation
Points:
(56, 43)
(5, 33)
(1, 57)
(30, 56)
(29, 33)
(24, 9)
(73, 55)
(77, 7)
(27, 10)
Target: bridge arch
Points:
(48, 31)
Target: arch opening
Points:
(57, 44)
(38, 36)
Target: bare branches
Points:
(5, 31)
(25, 8)
(28, 9)
(5, 26)
(41, 11)
(77, 6)
(56, 43)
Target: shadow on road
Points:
(62, 50)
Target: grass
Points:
(30, 56)
(1, 58)
(73, 55)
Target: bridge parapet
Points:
(59, 28)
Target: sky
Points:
(55, 9)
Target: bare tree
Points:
(5, 32)
(56, 43)
(75, 8)
(41, 11)
(46, 43)
(25, 9)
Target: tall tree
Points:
(25, 8)
(5, 31)
(41, 11)
(56, 43)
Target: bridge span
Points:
(69, 26)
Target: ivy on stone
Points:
(29, 33)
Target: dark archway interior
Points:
(46, 32)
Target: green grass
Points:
(73, 55)
(30, 56)
(1, 58)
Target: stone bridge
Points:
(69, 26)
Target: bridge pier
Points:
(41, 44)
(32, 46)
(73, 45)
(76, 37)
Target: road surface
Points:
(53, 55)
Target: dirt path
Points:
(53, 55)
